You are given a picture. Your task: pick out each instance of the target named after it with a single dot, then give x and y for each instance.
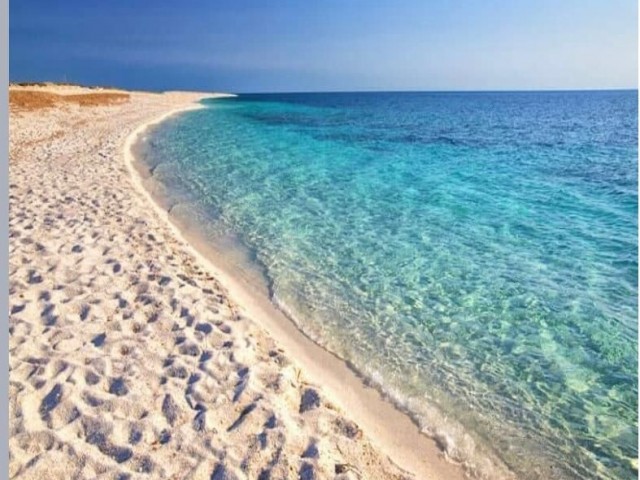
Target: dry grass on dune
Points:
(33, 100)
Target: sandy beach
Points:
(131, 355)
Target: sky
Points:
(326, 45)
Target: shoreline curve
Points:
(387, 426)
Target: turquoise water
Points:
(474, 255)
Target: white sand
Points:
(131, 354)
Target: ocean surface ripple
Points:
(473, 254)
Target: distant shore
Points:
(135, 352)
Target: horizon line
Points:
(464, 90)
(519, 90)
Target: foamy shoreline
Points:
(253, 413)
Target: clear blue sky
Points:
(300, 45)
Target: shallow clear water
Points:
(473, 254)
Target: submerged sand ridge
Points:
(127, 355)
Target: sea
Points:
(473, 255)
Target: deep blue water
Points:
(473, 254)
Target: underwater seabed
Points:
(473, 255)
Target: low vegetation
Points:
(33, 99)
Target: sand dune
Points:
(23, 99)
(128, 359)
